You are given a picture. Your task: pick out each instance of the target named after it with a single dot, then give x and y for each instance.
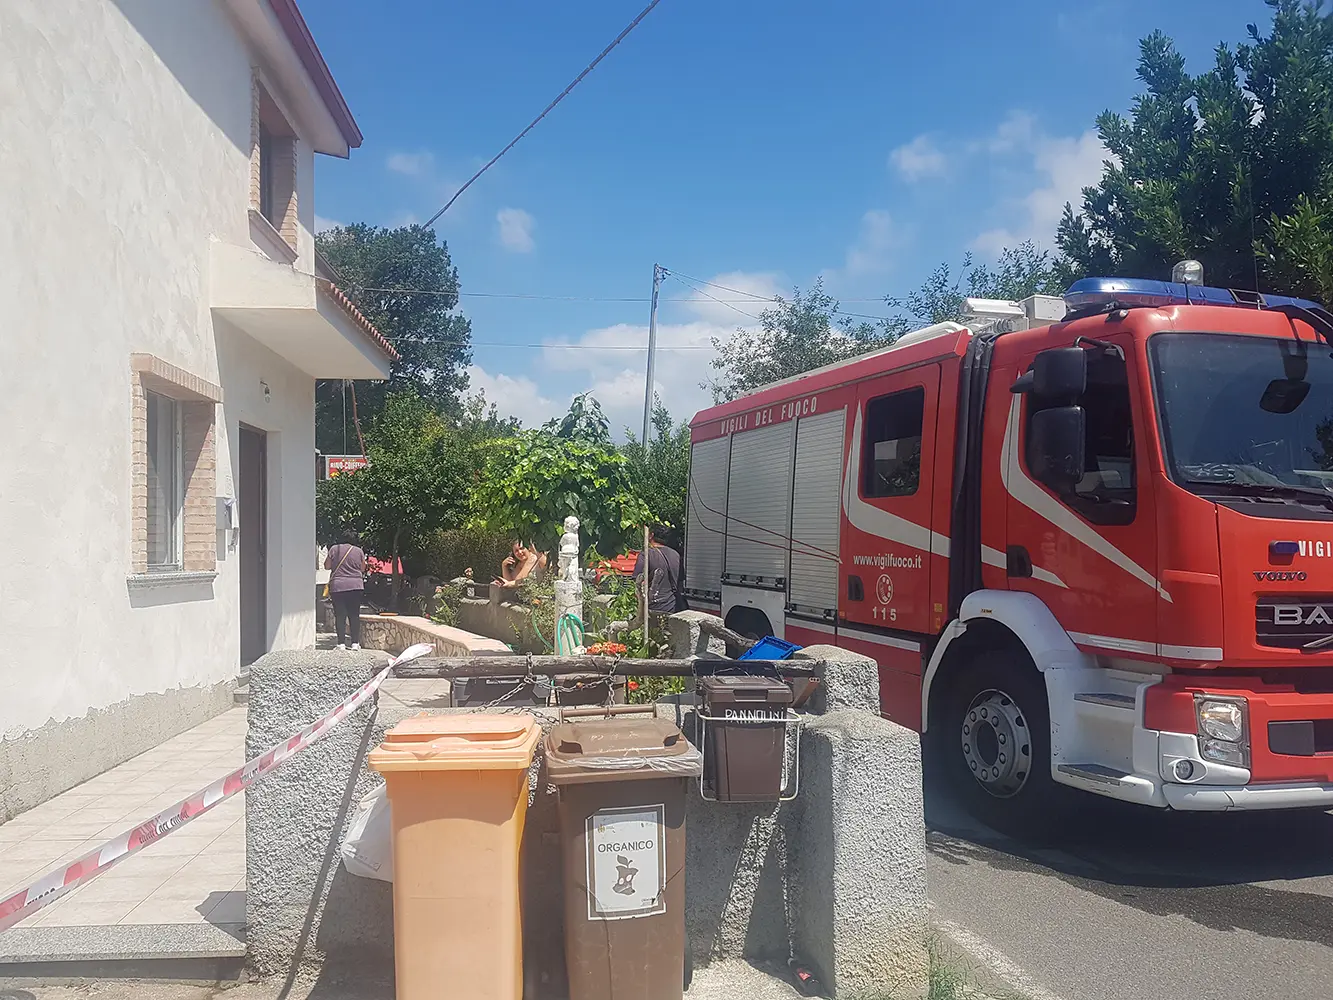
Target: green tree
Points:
(808, 331)
(1019, 272)
(536, 478)
(420, 478)
(794, 336)
(660, 473)
(423, 324)
(1232, 167)
(584, 421)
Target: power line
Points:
(726, 288)
(717, 300)
(543, 347)
(548, 298)
(561, 298)
(533, 124)
(756, 296)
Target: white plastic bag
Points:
(367, 849)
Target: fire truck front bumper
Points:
(1246, 745)
(1220, 798)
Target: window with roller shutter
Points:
(706, 519)
(759, 506)
(815, 514)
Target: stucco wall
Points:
(127, 133)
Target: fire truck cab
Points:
(1089, 540)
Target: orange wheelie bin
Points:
(458, 793)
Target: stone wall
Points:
(394, 633)
(306, 916)
(835, 876)
(506, 621)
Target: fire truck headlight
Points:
(1224, 752)
(1222, 720)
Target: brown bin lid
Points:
(768, 692)
(612, 749)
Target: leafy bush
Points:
(446, 554)
(660, 473)
(535, 479)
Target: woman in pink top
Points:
(347, 584)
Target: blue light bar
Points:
(1130, 292)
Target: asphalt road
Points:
(1137, 904)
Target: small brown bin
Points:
(745, 751)
(622, 784)
(589, 689)
(504, 692)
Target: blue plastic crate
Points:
(769, 648)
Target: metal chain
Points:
(530, 678)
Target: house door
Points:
(253, 524)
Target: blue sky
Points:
(758, 145)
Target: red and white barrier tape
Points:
(54, 884)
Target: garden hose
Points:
(569, 633)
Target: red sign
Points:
(336, 464)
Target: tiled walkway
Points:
(193, 876)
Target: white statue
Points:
(569, 592)
(569, 551)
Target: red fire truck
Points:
(1088, 540)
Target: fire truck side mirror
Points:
(1056, 449)
(1060, 373)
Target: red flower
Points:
(632, 685)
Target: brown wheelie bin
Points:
(745, 741)
(622, 782)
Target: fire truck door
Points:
(887, 503)
(1089, 555)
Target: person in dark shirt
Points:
(666, 576)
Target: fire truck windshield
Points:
(1246, 415)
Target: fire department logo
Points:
(884, 589)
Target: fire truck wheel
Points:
(994, 742)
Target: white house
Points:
(165, 319)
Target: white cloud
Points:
(872, 253)
(1065, 165)
(1015, 132)
(513, 396)
(322, 224)
(411, 164)
(919, 159)
(612, 361)
(516, 227)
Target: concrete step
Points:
(188, 952)
(241, 696)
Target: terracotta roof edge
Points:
(340, 299)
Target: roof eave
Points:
(282, 47)
(298, 33)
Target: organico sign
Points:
(336, 464)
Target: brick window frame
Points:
(198, 400)
(274, 223)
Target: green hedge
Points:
(447, 553)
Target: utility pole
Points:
(659, 272)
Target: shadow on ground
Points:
(1201, 866)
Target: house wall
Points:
(126, 152)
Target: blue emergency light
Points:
(1089, 294)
